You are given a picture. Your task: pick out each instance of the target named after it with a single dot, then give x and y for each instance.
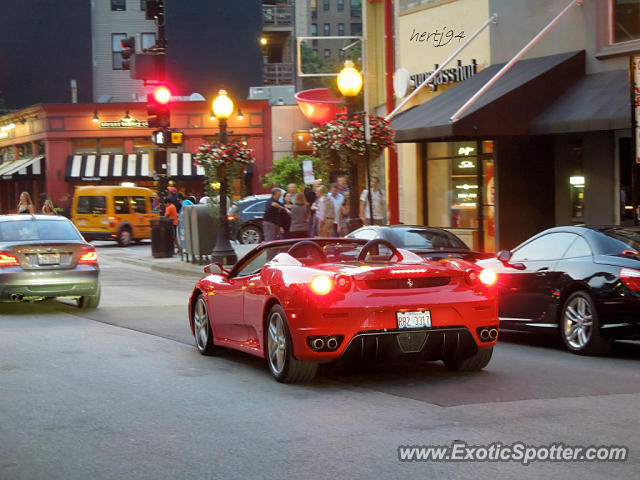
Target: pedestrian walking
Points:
(48, 208)
(25, 205)
(337, 199)
(273, 218)
(343, 223)
(300, 214)
(379, 204)
(171, 212)
(325, 214)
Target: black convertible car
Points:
(428, 242)
(583, 282)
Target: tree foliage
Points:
(289, 170)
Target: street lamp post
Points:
(223, 252)
(350, 85)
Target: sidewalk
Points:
(140, 255)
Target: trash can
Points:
(161, 237)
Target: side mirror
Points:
(215, 269)
(504, 256)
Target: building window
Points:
(82, 146)
(148, 40)
(341, 5)
(625, 21)
(143, 5)
(327, 52)
(327, 29)
(356, 29)
(118, 5)
(356, 8)
(116, 48)
(325, 5)
(314, 9)
(314, 29)
(341, 29)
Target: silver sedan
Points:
(44, 256)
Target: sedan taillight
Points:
(7, 260)
(90, 257)
(631, 278)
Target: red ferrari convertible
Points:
(301, 303)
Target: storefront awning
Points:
(598, 101)
(23, 168)
(507, 108)
(181, 166)
(107, 167)
(127, 167)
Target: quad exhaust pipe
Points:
(493, 333)
(16, 297)
(484, 334)
(317, 344)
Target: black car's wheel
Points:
(580, 326)
(471, 364)
(202, 329)
(250, 234)
(283, 366)
(125, 237)
(89, 302)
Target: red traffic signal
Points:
(159, 115)
(162, 95)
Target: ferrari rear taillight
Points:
(488, 277)
(343, 282)
(631, 278)
(7, 260)
(471, 276)
(321, 284)
(90, 257)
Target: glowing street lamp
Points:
(350, 84)
(223, 252)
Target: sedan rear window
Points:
(623, 239)
(27, 230)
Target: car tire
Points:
(125, 237)
(580, 325)
(89, 302)
(284, 367)
(472, 364)
(202, 332)
(250, 234)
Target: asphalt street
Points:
(121, 392)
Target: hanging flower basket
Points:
(345, 138)
(223, 161)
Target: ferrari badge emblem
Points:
(409, 283)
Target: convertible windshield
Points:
(420, 238)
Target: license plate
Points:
(414, 319)
(48, 258)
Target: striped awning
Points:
(128, 166)
(108, 167)
(24, 168)
(181, 165)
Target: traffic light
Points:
(153, 9)
(158, 107)
(167, 138)
(128, 49)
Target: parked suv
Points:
(245, 218)
(113, 213)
